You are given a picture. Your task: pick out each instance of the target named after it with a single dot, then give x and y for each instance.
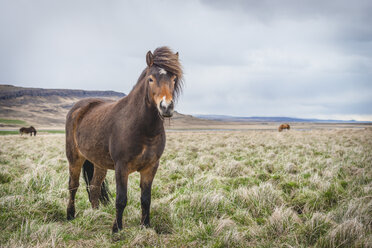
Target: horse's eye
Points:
(150, 80)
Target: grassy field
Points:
(213, 189)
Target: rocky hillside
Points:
(43, 107)
(10, 92)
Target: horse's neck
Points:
(144, 113)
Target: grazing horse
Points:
(283, 126)
(27, 130)
(125, 135)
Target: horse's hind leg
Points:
(73, 184)
(95, 185)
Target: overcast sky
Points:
(310, 59)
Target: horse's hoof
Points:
(70, 217)
(115, 228)
(70, 214)
(145, 226)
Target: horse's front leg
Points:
(121, 175)
(147, 176)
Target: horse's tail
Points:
(88, 170)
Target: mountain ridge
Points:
(44, 107)
(9, 91)
(272, 119)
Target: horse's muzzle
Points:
(165, 109)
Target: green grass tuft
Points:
(52, 131)
(6, 132)
(12, 121)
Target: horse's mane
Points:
(164, 57)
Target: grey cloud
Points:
(298, 58)
(271, 9)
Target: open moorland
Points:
(308, 188)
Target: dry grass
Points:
(213, 189)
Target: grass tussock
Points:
(212, 189)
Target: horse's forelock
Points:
(165, 58)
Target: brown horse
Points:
(126, 136)
(283, 126)
(28, 130)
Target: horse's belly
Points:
(102, 161)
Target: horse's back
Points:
(83, 105)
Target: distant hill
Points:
(269, 119)
(10, 91)
(44, 107)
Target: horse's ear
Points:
(149, 59)
(177, 54)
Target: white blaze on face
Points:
(162, 71)
(164, 103)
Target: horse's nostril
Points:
(166, 108)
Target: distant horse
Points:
(27, 130)
(126, 135)
(284, 126)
